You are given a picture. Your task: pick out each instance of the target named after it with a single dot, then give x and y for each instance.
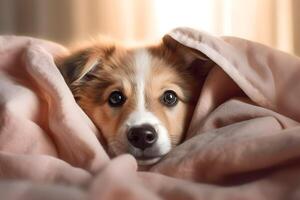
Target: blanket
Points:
(243, 140)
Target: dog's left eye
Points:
(116, 99)
(169, 98)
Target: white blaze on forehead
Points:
(142, 64)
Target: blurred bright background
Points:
(272, 22)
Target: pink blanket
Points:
(243, 141)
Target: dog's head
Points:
(141, 99)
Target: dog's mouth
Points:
(145, 157)
(146, 160)
(142, 157)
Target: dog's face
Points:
(140, 99)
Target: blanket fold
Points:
(244, 133)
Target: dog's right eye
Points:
(116, 99)
(169, 98)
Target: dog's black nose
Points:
(142, 137)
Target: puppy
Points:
(141, 99)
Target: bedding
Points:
(243, 141)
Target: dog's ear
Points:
(75, 66)
(196, 62)
(189, 54)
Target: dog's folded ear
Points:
(189, 54)
(195, 61)
(75, 66)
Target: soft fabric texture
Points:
(243, 141)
